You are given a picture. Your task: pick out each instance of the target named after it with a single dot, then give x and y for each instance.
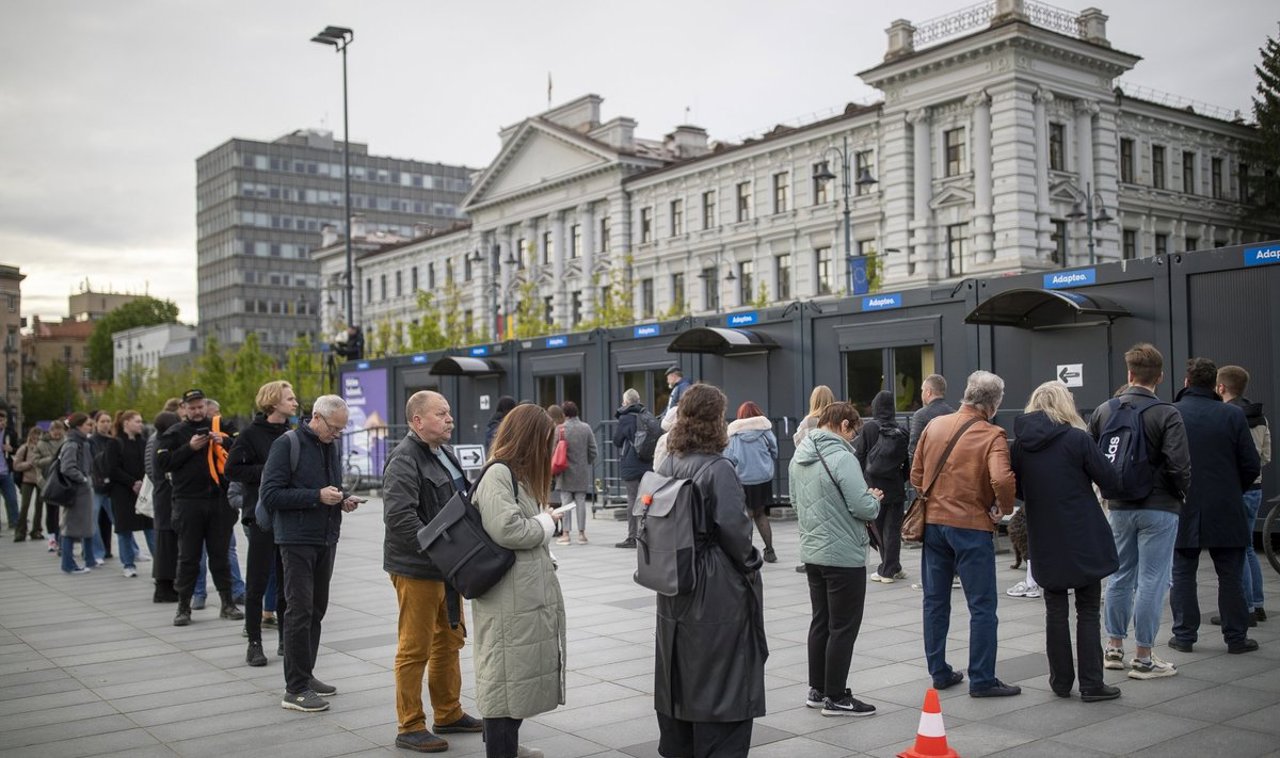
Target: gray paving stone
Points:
(1216, 741)
(1128, 734)
(91, 745)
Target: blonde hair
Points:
(270, 395)
(820, 398)
(1057, 402)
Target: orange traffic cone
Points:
(931, 736)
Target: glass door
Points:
(900, 369)
(554, 389)
(650, 383)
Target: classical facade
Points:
(1003, 143)
(10, 324)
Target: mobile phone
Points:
(355, 499)
(564, 508)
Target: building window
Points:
(399, 283)
(1215, 178)
(862, 165)
(646, 225)
(466, 268)
(957, 248)
(548, 309)
(448, 271)
(744, 201)
(368, 290)
(710, 288)
(954, 141)
(1130, 244)
(677, 217)
(709, 209)
(522, 254)
(548, 247)
(1242, 179)
(1192, 243)
(575, 242)
(822, 270)
(1057, 138)
(1126, 160)
(1162, 244)
(819, 185)
(1188, 172)
(413, 278)
(781, 191)
(431, 276)
(782, 275)
(646, 298)
(604, 234)
(1157, 166)
(577, 307)
(746, 281)
(677, 292)
(382, 286)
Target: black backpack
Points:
(1124, 444)
(648, 430)
(458, 545)
(886, 458)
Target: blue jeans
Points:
(100, 502)
(971, 553)
(127, 546)
(1252, 569)
(69, 553)
(10, 493)
(237, 581)
(1144, 543)
(269, 597)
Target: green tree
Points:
(530, 317)
(616, 306)
(457, 330)
(762, 296)
(1263, 156)
(427, 334)
(251, 368)
(52, 394)
(145, 311)
(305, 370)
(212, 375)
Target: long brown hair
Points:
(523, 442)
(700, 426)
(121, 417)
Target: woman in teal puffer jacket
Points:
(833, 504)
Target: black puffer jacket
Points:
(630, 466)
(248, 457)
(188, 469)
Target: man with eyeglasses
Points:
(302, 489)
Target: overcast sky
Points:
(104, 106)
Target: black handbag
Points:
(58, 490)
(458, 545)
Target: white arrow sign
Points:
(470, 456)
(1071, 374)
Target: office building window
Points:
(646, 298)
(744, 201)
(1162, 244)
(575, 242)
(746, 281)
(382, 286)
(646, 225)
(819, 185)
(709, 210)
(1157, 166)
(782, 275)
(1129, 246)
(1057, 138)
(1126, 160)
(548, 247)
(955, 147)
(710, 288)
(1215, 178)
(677, 292)
(1188, 172)
(957, 248)
(862, 165)
(781, 192)
(1192, 243)
(677, 217)
(822, 271)
(604, 234)
(399, 283)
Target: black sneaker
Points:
(1217, 620)
(999, 689)
(1105, 692)
(308, 702)
(1259, 614)
(951, 680)
(815, 698)
(770, 556)
(320, 688)
(254, 656)
(848, 705)
(464, 723)
(627, 543)
(183, 617)
(421, 742)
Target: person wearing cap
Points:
(678, 385)
(191, 452)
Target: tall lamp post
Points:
(1086, 214)
(340, 38)
(713, 280)
(864, 179)
(495, 285)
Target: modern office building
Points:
(260, 208)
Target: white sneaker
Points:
(528, 752)
(1113, 658)
(900, 575)
(130, 571)
(1022, 590)
(882, 579)
(1153, 670)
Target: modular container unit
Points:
(479, 375)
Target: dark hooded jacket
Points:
(711, 645)
(504, 406)
(883, 412)
(1224, 463)
(624, 435)
(1067, 532)
(248, 457)
(126, 463)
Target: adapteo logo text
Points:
(1069, 278)
(1261, 256)
(881, 302)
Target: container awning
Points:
(1044, 309)
(461, 365)
(718, 340)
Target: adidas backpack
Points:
(1124, 444)
(665, 531)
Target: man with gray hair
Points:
(302, 490)
(631, 466)
(961, 469)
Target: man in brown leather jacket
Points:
(966, 495)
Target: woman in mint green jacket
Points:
(834, 505)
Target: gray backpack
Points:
(666, 533)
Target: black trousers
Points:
(1228, 563)
(307, 571)
(501, 737)
(164, 564)
(51, 514)
(889, 524)
(104, 526)
(263, 554)
(703, 739)
(203, 523)
(837, 595)
(1057, 637)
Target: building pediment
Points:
(1065, 191)
(537, 156)
(951, 195)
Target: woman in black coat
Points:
(1057, 464)
(164, 567)
(126, 458)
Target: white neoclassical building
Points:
(1003, 132)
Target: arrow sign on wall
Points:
(1071, 374)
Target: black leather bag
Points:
(58, 490)
(456, 542)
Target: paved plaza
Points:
(89, 666)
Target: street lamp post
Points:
(340, 38)
(864, 180)
(1086, 214)
(495, 284)
(714, 279)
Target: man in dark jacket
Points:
(306, 502)
(933, 393)
(189, 453)
(1232, 383)
(883, 428)
(1144, 530)
(678, 385)
(631, 468)
(421, 475)
(1224, 465)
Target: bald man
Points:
(421, 475)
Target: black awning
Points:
(721, 341)
(460, 365)
(1044, 309)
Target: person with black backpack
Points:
(881, 449)
(632, 417)
(1144, 438)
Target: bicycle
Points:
(1271, 533)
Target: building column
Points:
(507, 252)
(1085, 111)
(587, 220)
(1044, 226)
(486, 265)
(922, 189)
(560, 288)
(984, 241)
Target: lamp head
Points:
(1077, 212)
(865, 179)
(825, 175)
(1103, 217)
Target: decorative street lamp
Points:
(730, 277)
(864, 179)
(1086, 214)
(340, 38)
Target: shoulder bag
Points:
(560, 456)
(58, 490)
(873, 533)
(458, 545)
(913, 522)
